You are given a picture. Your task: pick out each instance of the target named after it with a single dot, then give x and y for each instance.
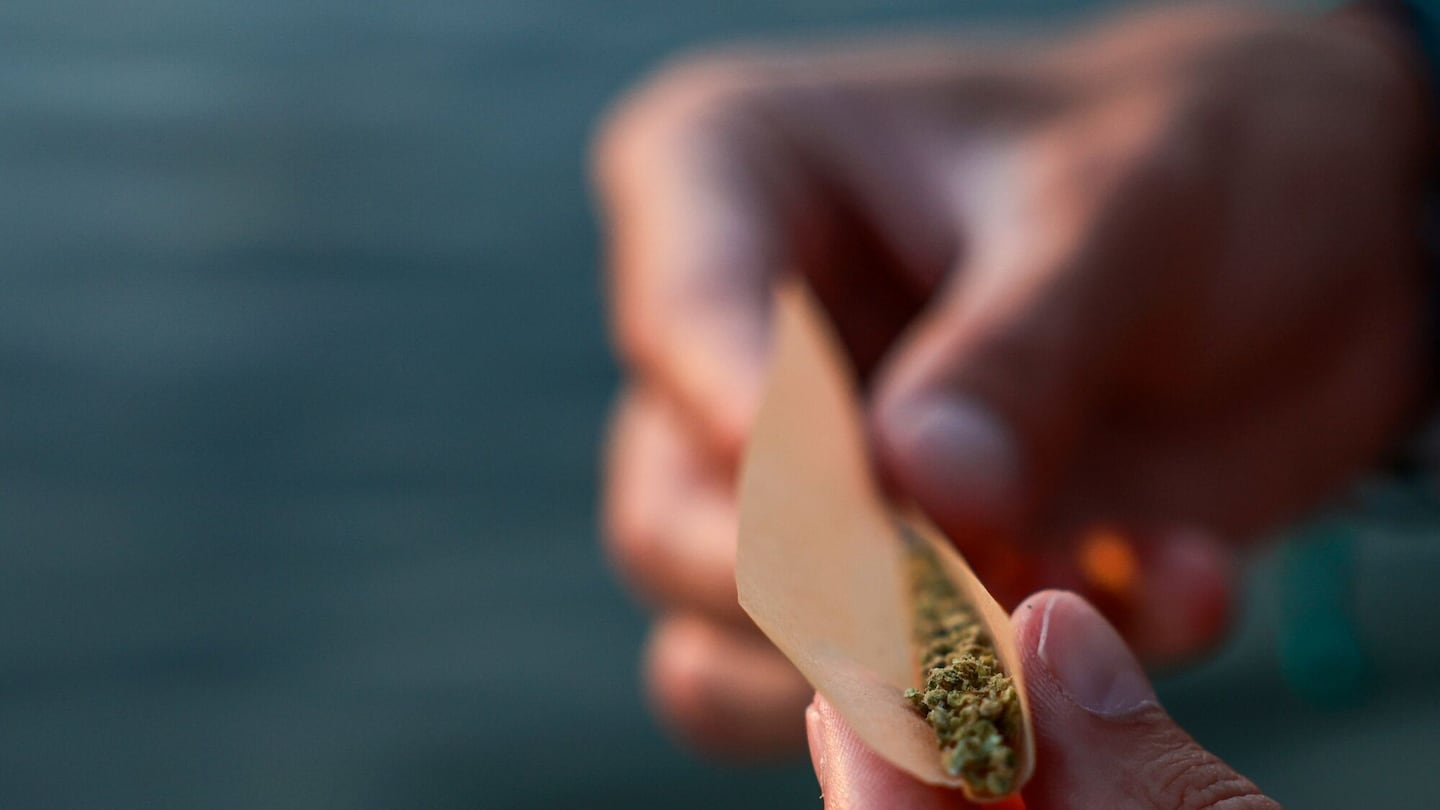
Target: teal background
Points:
(303, 376)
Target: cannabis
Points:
(966, 697)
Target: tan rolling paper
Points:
(821, 565)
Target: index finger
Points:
(691, 189)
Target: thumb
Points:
(976, 412)
(1102, 739)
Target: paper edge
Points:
(792, 297)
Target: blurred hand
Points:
(1101, 734)
(1162, 278)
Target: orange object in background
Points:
(1108, 562)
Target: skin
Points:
(1162, 276)
(1101, 735)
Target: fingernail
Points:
(956, 449)
(815, 733)
(1089, 660)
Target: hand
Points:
(1102, 739)
(1163, 278)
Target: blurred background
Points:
(303, 374)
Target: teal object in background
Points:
(1426, 15)
(1319, 646)
(1337, 636)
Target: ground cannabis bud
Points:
(967, 699)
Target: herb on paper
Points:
(967, 698)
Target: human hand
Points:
(1102, 739)
(1160, 278)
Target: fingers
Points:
(1171, 593)
(1184, 597)
(692, 192)
(723, 691)
(981, 409)
(993, 410)
(713, 680)
(852, 777)
(670, 516)
(1102, 739)
(980, 406)
(1353, 366)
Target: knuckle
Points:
(1179, 155)
(1042, 341)
(632, 532)
(1151, 145)
(636, 332)
(704, 96)
(633, 541)
(1184, 776)
(680, 681)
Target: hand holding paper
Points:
(820, 569)
(1083, 280)
(1102, 740)
(823, 561)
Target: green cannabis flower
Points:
(967, 698)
